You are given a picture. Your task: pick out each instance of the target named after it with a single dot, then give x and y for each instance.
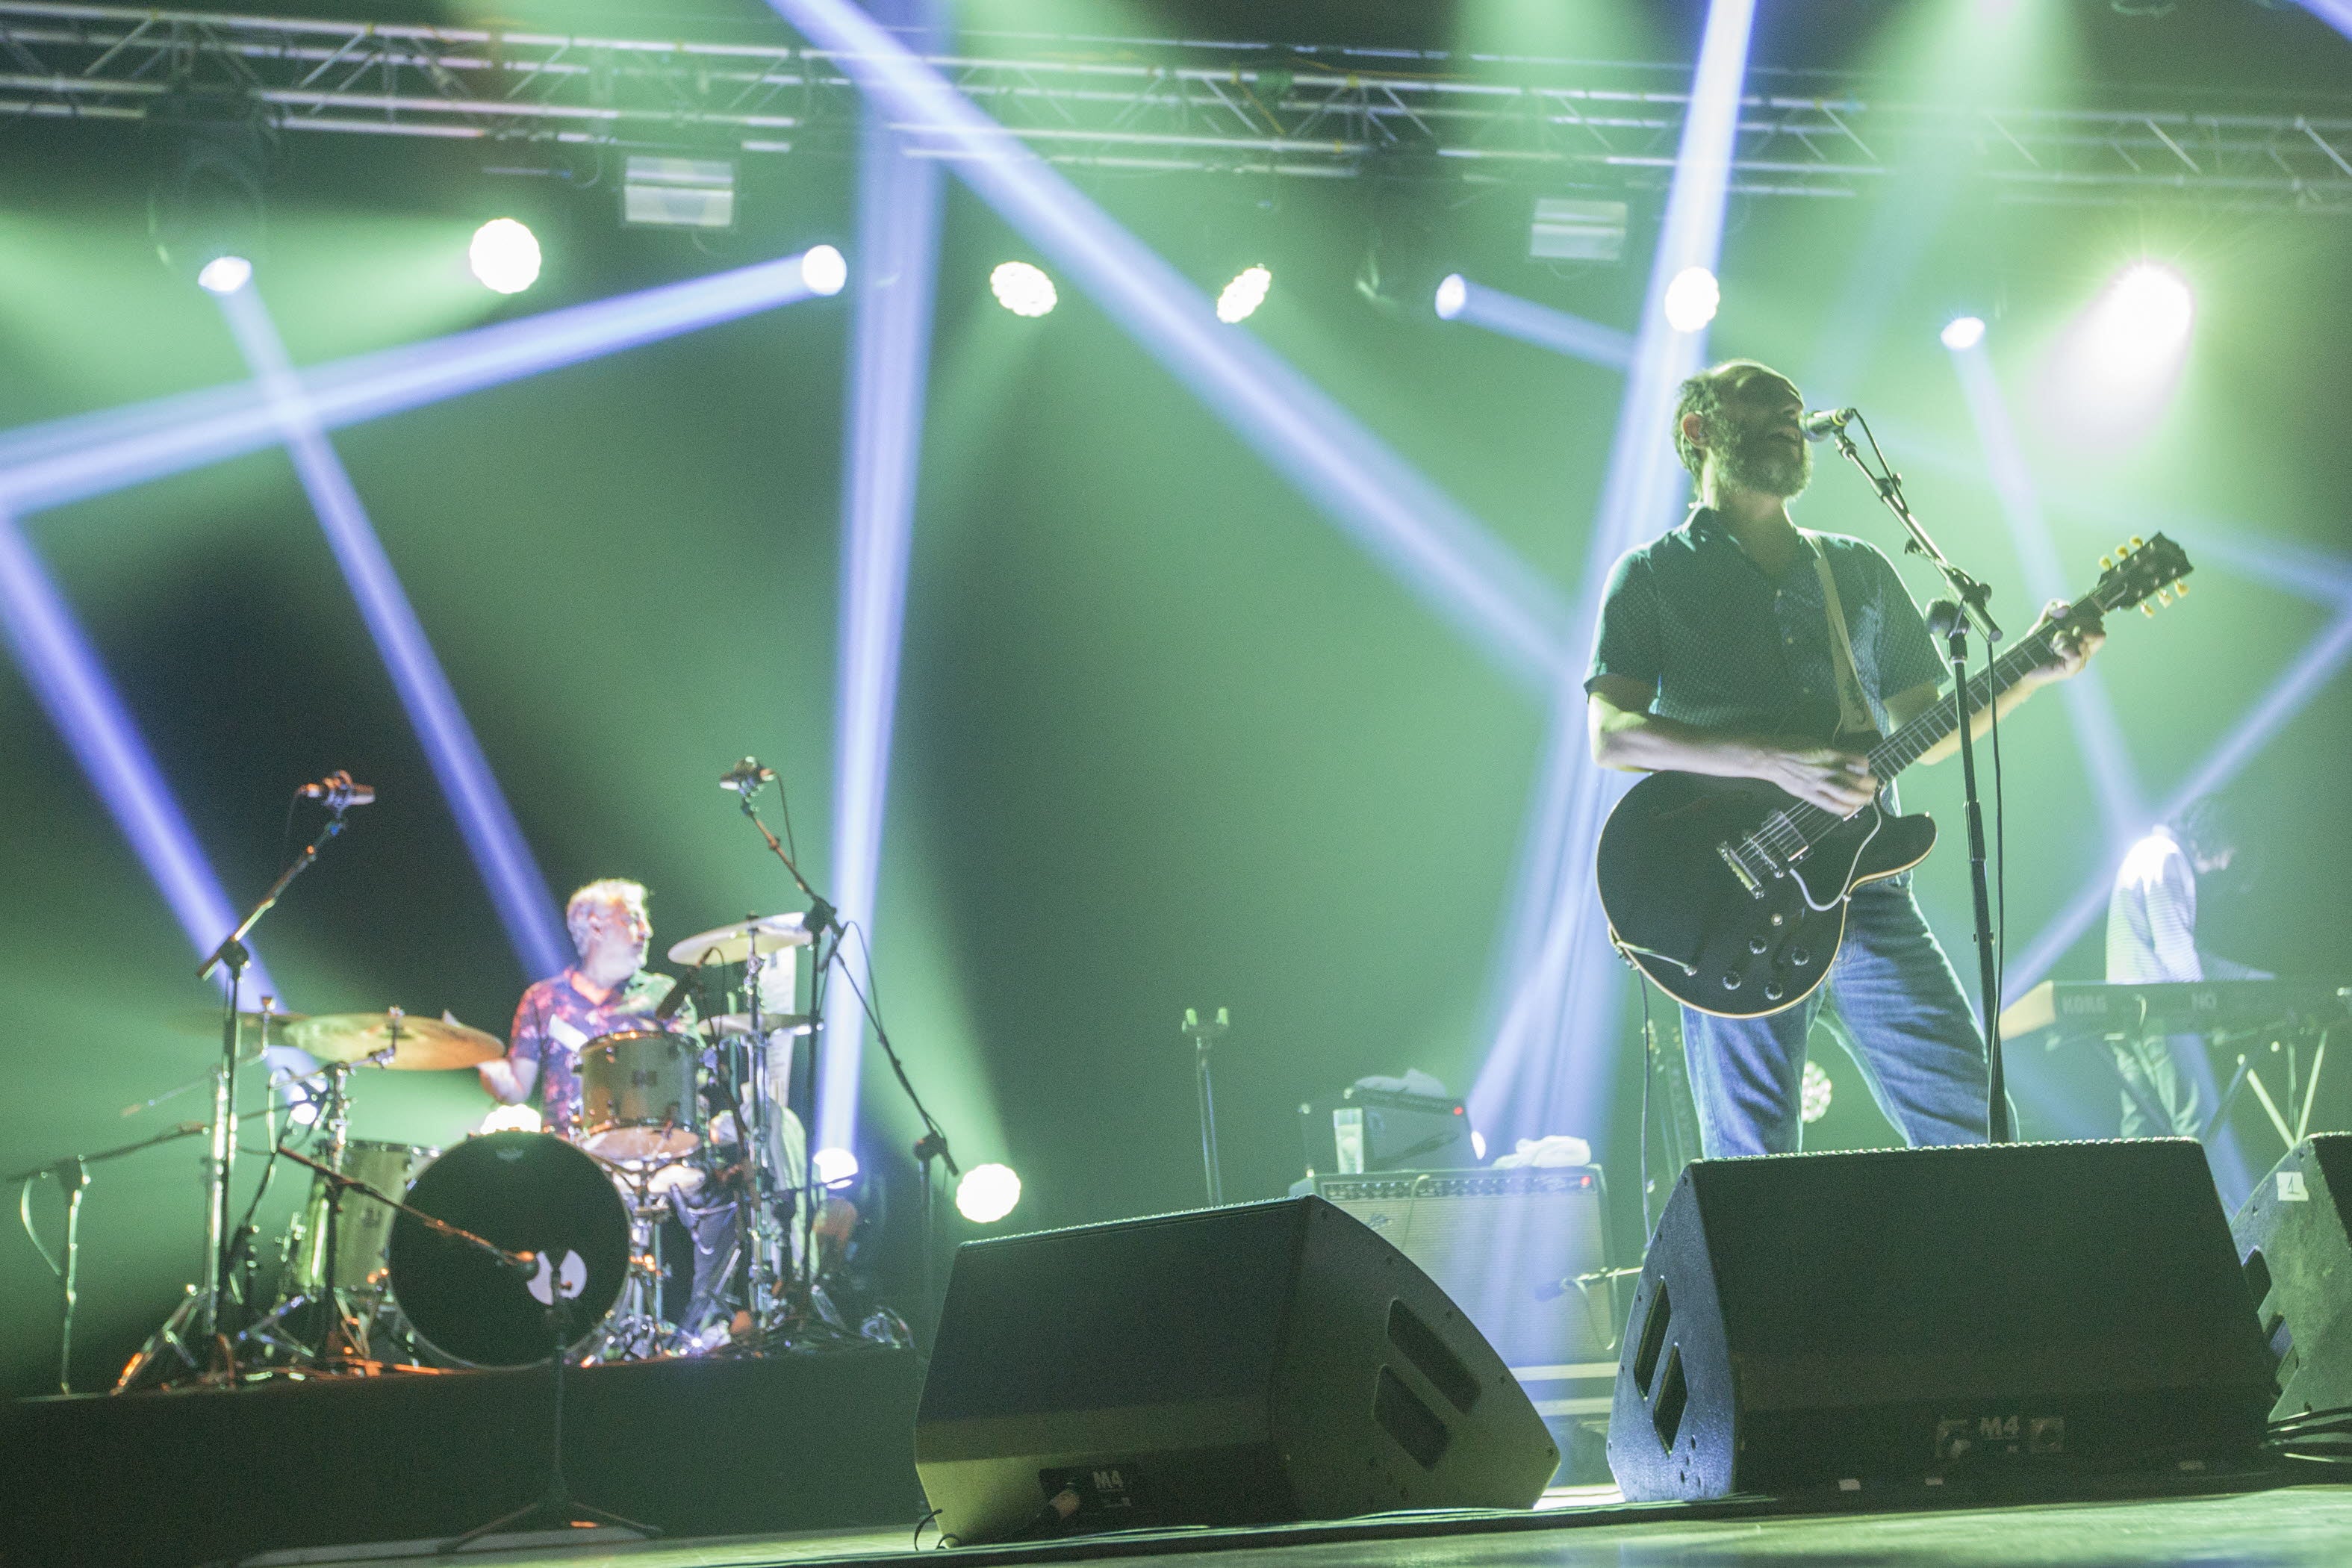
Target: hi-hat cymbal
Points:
(729, 1024)
(733, 945)
(417, 1045)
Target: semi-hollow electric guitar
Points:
(1731, 893)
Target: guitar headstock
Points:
(2139, 571)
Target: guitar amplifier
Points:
(1507, 1245)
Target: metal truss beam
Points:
(1146, 105)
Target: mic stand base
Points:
(556, 1505)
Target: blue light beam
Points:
(72, 687)
(898, 246)
(93, 455)
(1476, 305)
(1553, 1008)
(517, 887)
(2287, 696)
(1419, 534)
(2095, 728)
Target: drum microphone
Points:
(1823, 423)
(746, 776)
(339, 792)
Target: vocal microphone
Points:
(746, 776)
(1823, 423)
(339, 792)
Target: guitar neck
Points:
(1906, 745)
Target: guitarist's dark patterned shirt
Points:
(1726, 648)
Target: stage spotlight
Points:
(2151, 307)
(217, 149)
(225, 274)
(504, 255)
(1691, 298)
(836, 1168)
(1963, 332)
(1021, 289)
(987, 1194)
(1452, 293)
(1243, 295)
(824, 270)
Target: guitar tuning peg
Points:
(2164, 595)
(2147, 609)
(2180, 589)
(2122, 551)
(2137, 543)
(2106, 562)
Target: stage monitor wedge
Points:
(1827, 1324)
(1252, 1364)
(2292, 1232)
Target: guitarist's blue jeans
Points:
(1914, 1038)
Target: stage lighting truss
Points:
(1139, 104)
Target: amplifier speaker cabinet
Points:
(1245, 1365)
(2292, 1233)
(1847, 1321)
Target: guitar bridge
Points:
(1740, 870)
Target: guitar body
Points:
(1697, 898)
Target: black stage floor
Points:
(2307, 1526)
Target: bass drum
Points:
(526, 1191)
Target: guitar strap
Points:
(1853, 708)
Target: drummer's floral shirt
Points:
(554, 1020)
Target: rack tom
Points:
(638, 1099)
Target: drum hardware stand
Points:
(556, 1502)
(637, 1329)
(1969, 597)
(1203, 1036)
(72, 1174)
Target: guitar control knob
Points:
(1801, 957)
(1756, 946)
(1731, 980)
(1772, 993)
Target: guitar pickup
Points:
(1740, 870)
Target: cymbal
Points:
(207, 1020)
(725, 1024)
(418, 1045)
(733, 945)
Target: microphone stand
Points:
(1971, 596)
(821, 916)
(73, 1175)
(233, 954)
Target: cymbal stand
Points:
(72, 1174)
(636, 1330)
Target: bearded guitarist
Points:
(1719, 639)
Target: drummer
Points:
(608, 989)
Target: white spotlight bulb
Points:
(834, 1167)
(1452, 293)
(225, 274)
(1245, 294)
(1963, 332)
(987, 1194)
(824, 270)
(1691, 298)
(2151, 302)
(1021, 289)
(504, 255)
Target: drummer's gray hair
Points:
(580, 905)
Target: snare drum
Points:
(636, 1095)
(525, 1192)
(362, 1226)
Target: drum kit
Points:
(671, 1112)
